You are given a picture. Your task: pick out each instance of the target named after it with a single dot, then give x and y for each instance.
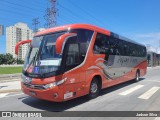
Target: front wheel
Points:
(94, 89)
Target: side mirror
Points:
(21, 43)
(61, 40)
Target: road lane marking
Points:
(153, 80)
(149, 93)
(14, 95)
(3, 95)
(17, 79)
(131, 90)
(157, 118)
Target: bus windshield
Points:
(41, 57)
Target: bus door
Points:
(70, 62)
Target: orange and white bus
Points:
(74, 60)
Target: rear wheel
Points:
(137, 76)
(94, 88)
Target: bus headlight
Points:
(50, 85)
(26, 79)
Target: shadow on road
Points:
(57, 107)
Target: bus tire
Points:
(94, 88)
(137, 78)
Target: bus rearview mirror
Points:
(21, 43)
(61, 40)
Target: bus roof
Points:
(73, 26)
(125, 39)
(85, 26)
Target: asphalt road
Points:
(141, 96)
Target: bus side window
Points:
(116, 47)
(72, 55)
(101, 45)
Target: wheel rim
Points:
(94, 87)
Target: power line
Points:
(39, 2)
(21, 5)
(16, 8)
(64, 20)
(17, 13)
(71, 12)
(86, 12)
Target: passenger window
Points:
(101, 45)
(114, 48)
(72, 55)
(84, 37)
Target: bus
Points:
(66, 62)
(153, 59)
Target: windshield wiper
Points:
(32, 61)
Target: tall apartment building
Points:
(14, 34)
(1, 30)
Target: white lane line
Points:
(149, 93)
(157, 118)
(17, 79)
(153, 80)
(3, 95)
(131, 90)
(14, 95)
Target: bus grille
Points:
(40, 87)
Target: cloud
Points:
(158, 50)
(152, 39)
(149, 35)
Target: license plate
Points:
(68, 95)
(32, 93)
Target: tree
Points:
(2, 59)
(19, 61)
(7, 59)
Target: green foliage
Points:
(19, 61)
(6, 59)
(9, 59)
(2, 59)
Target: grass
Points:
(10, 70)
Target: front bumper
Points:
(45, 94)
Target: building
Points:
(1, 30)
(14, 34)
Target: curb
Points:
(8, 91)
(11, 80)
(10, 77)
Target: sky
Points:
(138, 20)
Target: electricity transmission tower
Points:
(50, 14)
(35, 23)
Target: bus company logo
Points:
(6, 114)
